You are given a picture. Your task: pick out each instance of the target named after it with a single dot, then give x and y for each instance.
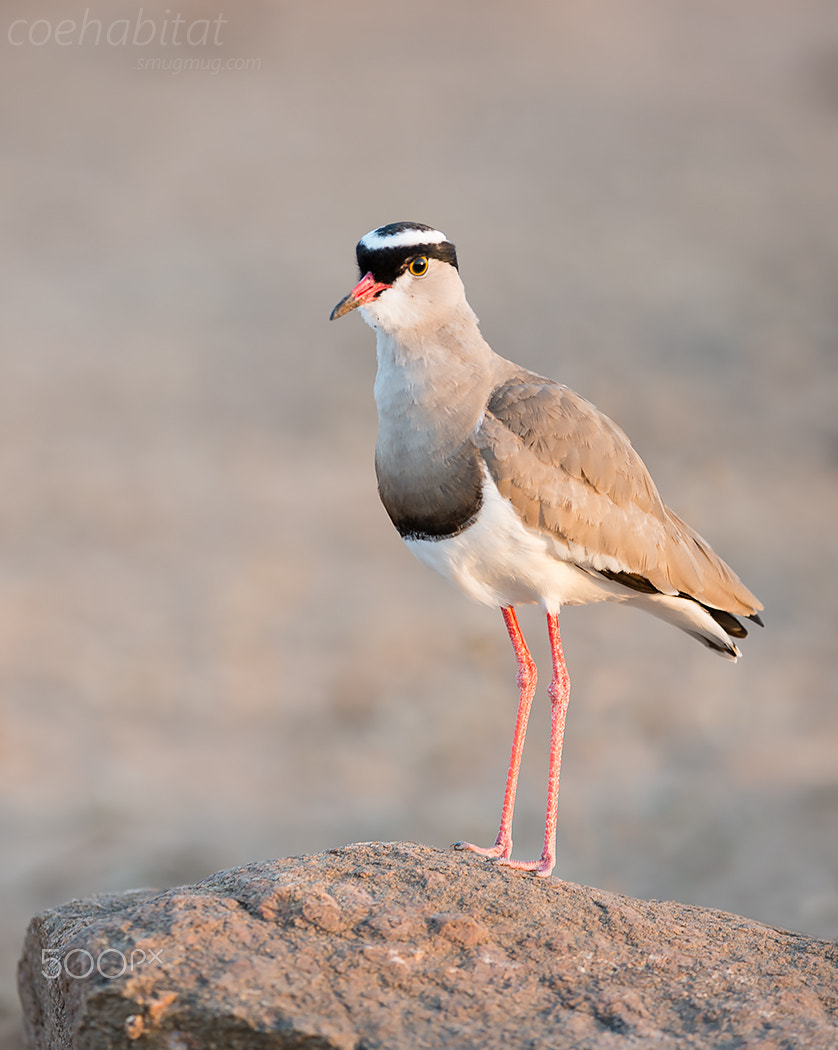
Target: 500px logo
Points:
(139, 32)
(80, 963)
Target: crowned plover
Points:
(517, 488)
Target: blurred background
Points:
(213, 646)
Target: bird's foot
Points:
(542, 867)
(501, 854)
(500, 850)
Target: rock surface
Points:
(398, 945)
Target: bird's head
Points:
(409, 278)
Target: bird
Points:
(518, 489)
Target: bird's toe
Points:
(499, 851)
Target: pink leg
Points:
(559, 693)
(526, 683)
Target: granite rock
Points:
(398, 945)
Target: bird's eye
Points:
(418, 266)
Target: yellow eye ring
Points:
(418, 266)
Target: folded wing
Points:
(569, 469)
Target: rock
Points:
(398, 945)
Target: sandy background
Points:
(213, 647)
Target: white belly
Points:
(500, 561)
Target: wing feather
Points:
(569, 469)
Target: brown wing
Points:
(568, 469)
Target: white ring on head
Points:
(373, 240)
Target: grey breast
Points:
(439, 498)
